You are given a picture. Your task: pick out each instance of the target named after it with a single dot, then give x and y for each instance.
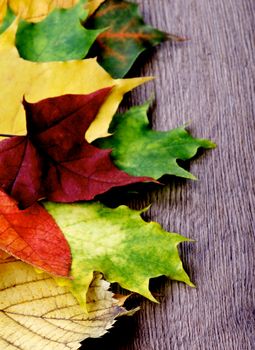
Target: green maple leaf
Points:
(126, 38)
(140, 151)
(118, 243)
(59, 37)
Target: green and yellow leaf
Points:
(118, 243)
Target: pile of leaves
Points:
(62, 146)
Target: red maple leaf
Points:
(33, 236)
(54, 160)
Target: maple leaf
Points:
(59, 37)
(33, 236)
(36, 313)
(33, 10)
(140, 151)
(7, 21)
(93, 5)
(38, 81)
(54, 160)
(126, 38)
(118, 243)
(4, 255)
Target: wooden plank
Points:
(209, 81)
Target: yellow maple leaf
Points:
(36, 313)
(36, 10)
(3, 8)
(93, 5)
(36, 81)
(33, 10)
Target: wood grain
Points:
(209, 81)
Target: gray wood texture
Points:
(209, 82)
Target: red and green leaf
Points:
(125, 38)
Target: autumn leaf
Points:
(140, 151)
(118, 243)
(36, 313)
(126, 38)
(93, 5)
(33, 236)
(3, 9)
(59, 37)
(38, 10)
(54, 160)
(38, 81)
(33, 10)
(7, 21)
(4, 255)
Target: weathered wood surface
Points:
(210, 82)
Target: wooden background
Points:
(208, 81)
